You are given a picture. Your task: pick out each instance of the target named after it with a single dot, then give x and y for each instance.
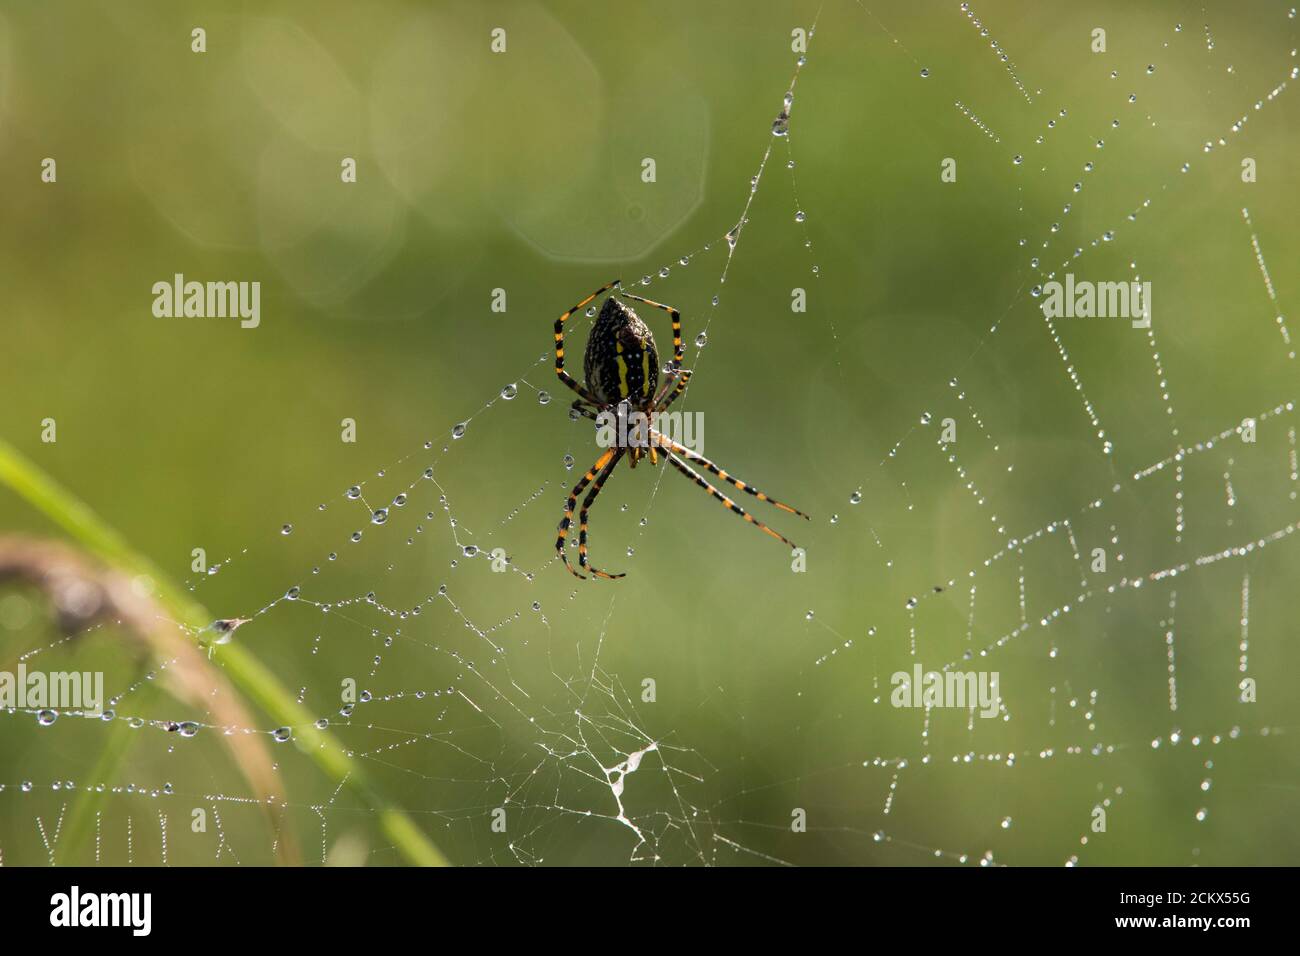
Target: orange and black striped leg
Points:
(666, 397)
(690, 473)
(598, 468)
(678, 349)
(666, 443)
(565, 377)
(582, 519)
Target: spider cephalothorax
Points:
(622, 370)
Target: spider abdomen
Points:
(621, 360)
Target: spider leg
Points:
(583, 410)
(565, 377)
(669, 445)
(601, 464)
(665, 397)
(582, 520)
(690, 473)
(678, 349)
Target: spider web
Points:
(493, 690)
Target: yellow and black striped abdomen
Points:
(621, 361)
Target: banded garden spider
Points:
(622, 371)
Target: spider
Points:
(622, 371)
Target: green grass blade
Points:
(245, 671)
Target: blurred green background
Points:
(521, 171)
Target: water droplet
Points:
(510, 391)
(287, 529)
(459, 430)
(924, 72)
(855, 498)
(701, 340)
(281, 734)
(323, 723)
(799, 216)
(188, 729)
(380, 516)
(292, 593)
(543, 398)
(46, 717)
